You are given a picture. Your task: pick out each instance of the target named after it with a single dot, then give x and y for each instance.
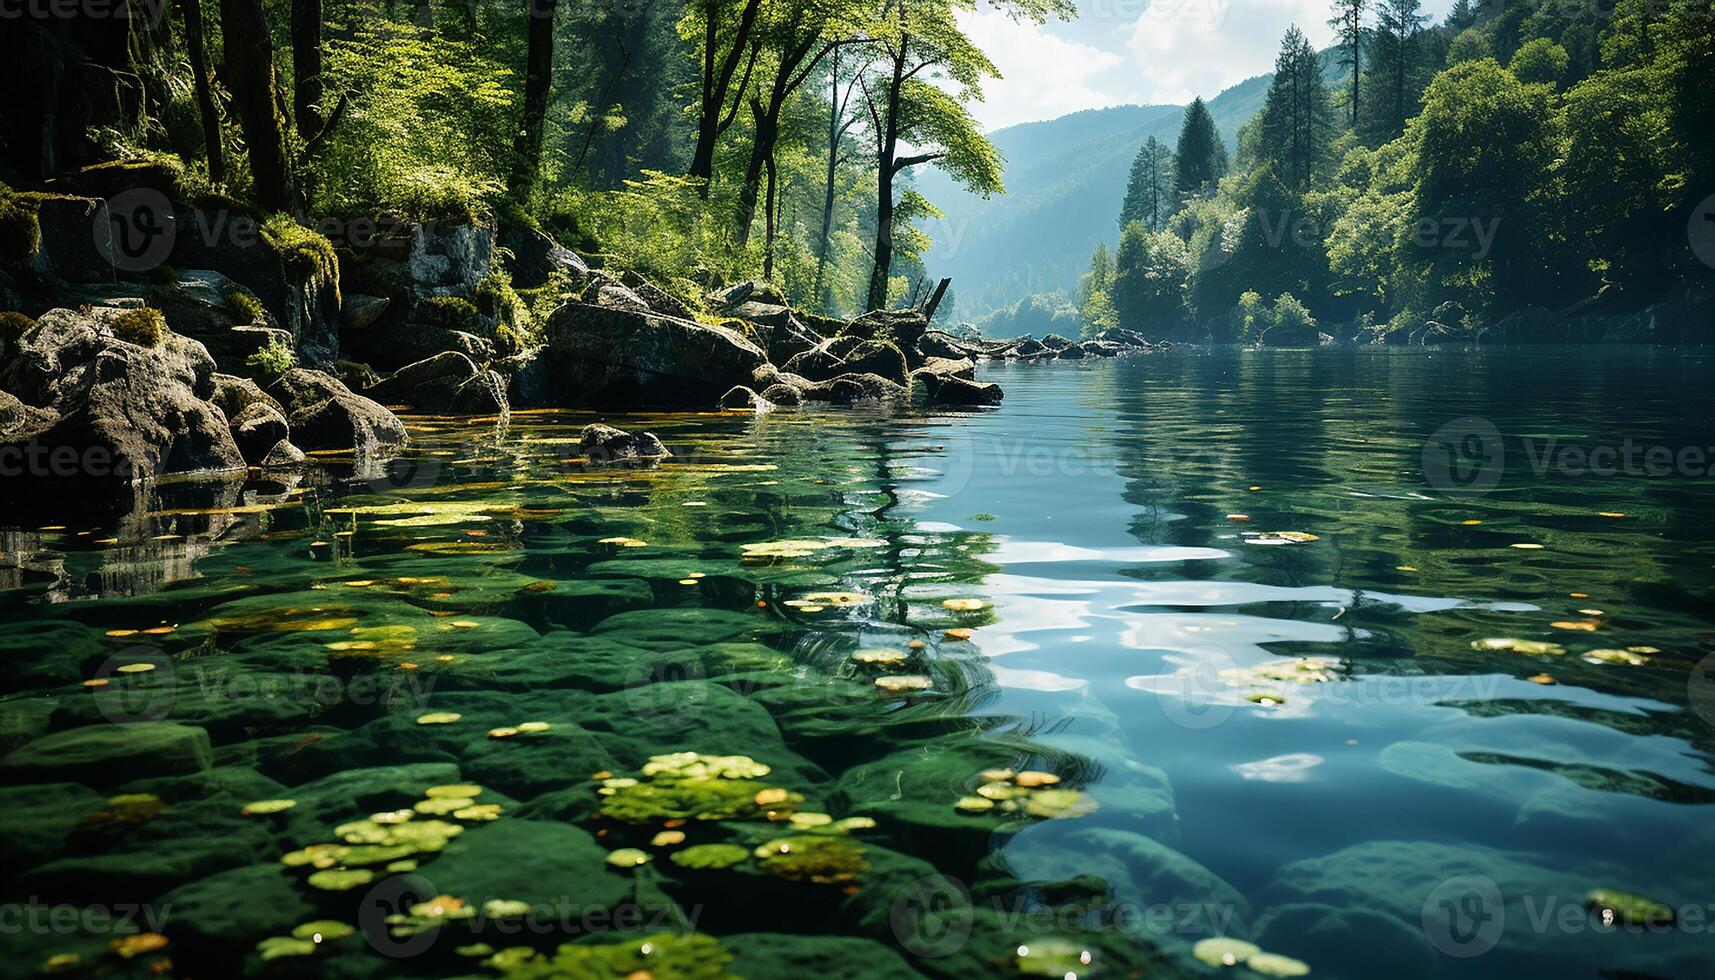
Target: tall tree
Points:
(214, 148)
(249, 51)
(1394, 62)
(1296, 119)
(1200, 158)
(723, 51)
(1348, 25)
(307, 82)
(1148, 193)
(840, 122)
(538, 82)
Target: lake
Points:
(1383, 662)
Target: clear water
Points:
(1419, 807)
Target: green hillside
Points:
(1065, 178)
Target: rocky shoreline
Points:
(244, 355)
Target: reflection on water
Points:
(1393, 744)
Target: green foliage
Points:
(1471, 45)
(451, 312)
(141, 325)
(1539, 62)
(20, 232)
(1150, 273)
(1038, 314)
(428, 127)
(275, 359)
(1297, 123)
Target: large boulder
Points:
(325, 414)
(446, 382)
(257, 429)
(220, 314)
(607, 355)
(904, 328)
(950, 389)
(946, 367)
(659, 300)
(122, 410)
(531, 257)
(76, 243)
(849, 388)
(1291, 335)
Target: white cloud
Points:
(1043, 75)
(1186, 48)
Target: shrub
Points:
(305, 252)
(1290, 313)
(143, 325)
(275, 359)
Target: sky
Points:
(1136, 51)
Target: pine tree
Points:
(1148, 192)
(1200, 159)
(1394, 57)
(1348, 25)
(1296, 119)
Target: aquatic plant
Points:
(710, 856)
(819, 859)
(1629, 908)
(663, 956)
(142, 325)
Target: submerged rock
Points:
(109, 754)
(951, 389)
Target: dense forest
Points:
(695, 143)
(1531, 155)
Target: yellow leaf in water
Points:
(1471, 523)
(439, 718)
(1540, 679)
(118, 633)
(136, 668)
(1582, 625)
(964, 605)
(625, 542)
(1526, 546)
(1611, 513)
(959, 633)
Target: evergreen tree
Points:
(1297, 123)
(1395, 62)
(1148, 192)
(1200, 159)
(1348, 25)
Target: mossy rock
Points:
(534, 861)
(20, 231)
(37, 820)
(677, 629)
(528, 764)
(142, 325)
(236, 907)
(777, 956)
(108, 754)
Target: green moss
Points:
(275, 359)
(450, 312)
(243, 304)
(699, 799)
(144, 326)
(305, 253)
(664, 956)
(820, 859)
(14, 328)
(20, 232)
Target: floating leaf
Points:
(322, 930)
(901, 683)
(964, 605)
(628, 857)
(341, 879)
(1224, 951)
(1629, 908)
(267, 806)
(1276, 965)
(439, 718)
(710, 856)
(136, 945)
(1282, 538)
(1623, 658)
(277, 947)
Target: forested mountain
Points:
(1064, 181)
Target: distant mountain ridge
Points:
(1065, 179)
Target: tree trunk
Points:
(538, 81)
(717, 84)
(835, 130)
(213, 148)
(769, 223)
(1356, 36)
(887, 145)
(307, 67)
(249, 52)
(761, 155)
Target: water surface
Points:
(1287, 739)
